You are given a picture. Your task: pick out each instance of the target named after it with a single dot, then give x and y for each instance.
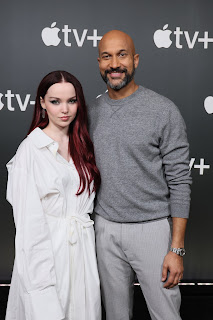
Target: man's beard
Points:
(123, 83)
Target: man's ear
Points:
(136, 60)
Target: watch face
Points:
(182, 252)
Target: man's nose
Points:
(114, 63)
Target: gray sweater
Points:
(141, 150)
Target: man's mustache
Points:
(118, 70)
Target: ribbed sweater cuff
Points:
(180, 210)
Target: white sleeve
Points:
(34, 255)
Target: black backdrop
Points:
(180, 70)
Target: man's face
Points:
(116, 62)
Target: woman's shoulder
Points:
(23, 155)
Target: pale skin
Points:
(61, 106)
(117, 50)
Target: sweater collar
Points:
(123, 101)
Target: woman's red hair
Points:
(80, 144)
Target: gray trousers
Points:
(127, 248)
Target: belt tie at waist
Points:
(83, 221)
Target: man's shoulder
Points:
(160, 104)
(155, 99)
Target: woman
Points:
(51, 186)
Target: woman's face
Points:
(61, 104)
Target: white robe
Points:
(55, 272)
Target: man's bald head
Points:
(118, 61)
(116, 37)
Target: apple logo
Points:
(1, 104)
(50, 35)
(162, 37)
(208, 104)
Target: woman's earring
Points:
(43, 113)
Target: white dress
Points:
(55, 272)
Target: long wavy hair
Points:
(80, 144)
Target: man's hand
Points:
(172, 270)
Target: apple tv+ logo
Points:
(10, 98)
(50, 36)
(162, 38)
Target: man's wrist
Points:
(179, 251)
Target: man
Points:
(141, 150)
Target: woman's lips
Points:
(64, 118)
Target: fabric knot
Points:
(84, 222)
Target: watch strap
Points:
(179, 251)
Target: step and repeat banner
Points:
(175, 42)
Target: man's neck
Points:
(124, 92)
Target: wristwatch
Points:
(180, 251)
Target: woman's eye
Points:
(73, 101)
(54, 101)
